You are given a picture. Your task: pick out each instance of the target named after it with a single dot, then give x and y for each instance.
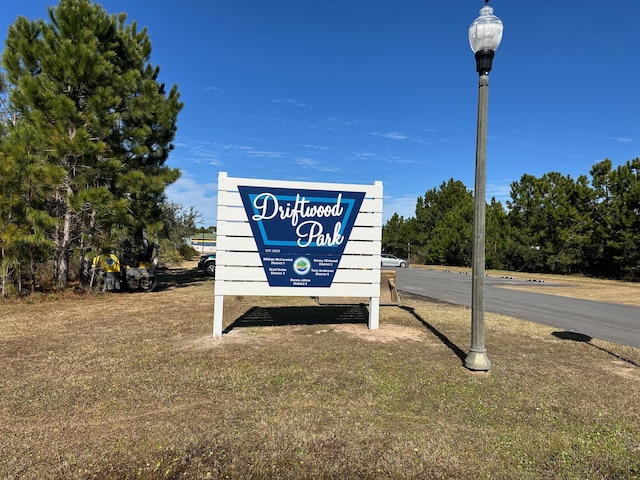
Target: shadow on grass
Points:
(582, 338)
(286, 316)
(179, 278)
(441, 336)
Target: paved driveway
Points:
(607, 321)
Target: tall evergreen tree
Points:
(444, 223)
(25, 183)
(551, 220)
(615, 248)
(498, 232)
(83, 85)
(397, 235)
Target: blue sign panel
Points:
(300, 234)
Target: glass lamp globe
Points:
(485, 33)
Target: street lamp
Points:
(485, 34)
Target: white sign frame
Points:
(239, 269)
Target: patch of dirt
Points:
(262, 335)
(384, 334)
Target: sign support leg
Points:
(218, 310)
(374, 313)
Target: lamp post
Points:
(485, 34)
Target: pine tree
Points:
(615, 250)
(444, 220)
(83, 84)
(497, 236)
(397, 236)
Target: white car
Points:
(388, 260)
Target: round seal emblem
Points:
(301, 266)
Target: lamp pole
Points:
(485, 34)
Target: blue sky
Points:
(355, 91)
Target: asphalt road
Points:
(607, 321)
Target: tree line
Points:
(86, 128)
(551, 224)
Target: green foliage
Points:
(616, 219)
(187, 252)
(397, 235)
(550, 217)
(552, 224)
(171, 256)
(177, 223)
(498, 232)
(444, 219)
(86, 131)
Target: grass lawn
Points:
(127, 386)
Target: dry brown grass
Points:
(122, 386)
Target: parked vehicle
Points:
(388, 260)
(207, 263)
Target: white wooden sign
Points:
(284, 238)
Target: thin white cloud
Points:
(290, 101)
(401, 136)
(404, 205)
(252, 152)
(621, 139)
(421, 141)
(306, 162)
(263, 154)
(355, 122)
(392, 135)
(202, 196)
(346, 122)
(400, 161)
(500, 189)
(366, 155)
(205, 153)
(206, 157)
(196, 152)
(321, 148)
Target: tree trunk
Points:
(32, 272)
(4, 278)
(65, 244)
(84, 273)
